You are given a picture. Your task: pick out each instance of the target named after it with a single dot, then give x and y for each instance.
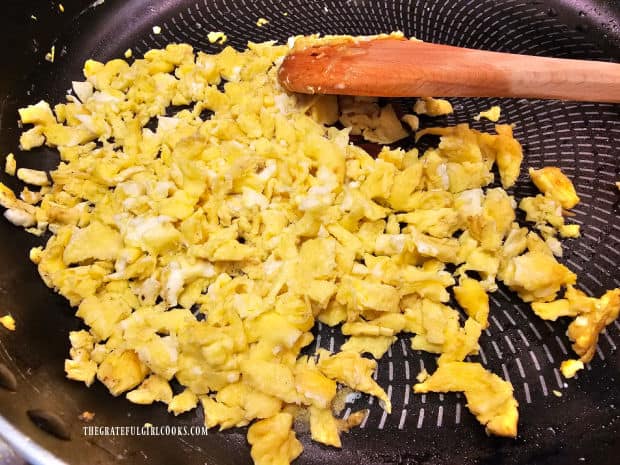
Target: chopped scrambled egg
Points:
(432, 107)
(8, 322)
(366, 118)
(492, 114)
(547, 215)
(590, 316)
(205, 249)
(51, 55)
(86, 416)
(569, 368)
(10, 166)
(552, 182)
(412, 121)
(217, 37)
(273, 441)
(33, 177)
(488, 396)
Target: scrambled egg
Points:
(412, 121)
(432, 106)
(551, 181)
(205, 249)
(570, 367)
(488, 396)
(8, 322)
(365, 117)
(86, 416)
(10, 166)
(492, 114)
(273, 441)
(590, 316)
(217, 37)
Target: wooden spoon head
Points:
(338, 67)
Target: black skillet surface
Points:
(581, 426)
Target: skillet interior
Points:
(581, 138)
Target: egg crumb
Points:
(569, 368)
(432, 107)
(34, 177)
(10, 165)
(492, 114)
(556, 393)
(51, 55)
(217, 37)
(8, 322)
(551, 181)
(412, 121)
(156, 29)
(488, 396)
(261, 22)
(86, 416)
(128, 53)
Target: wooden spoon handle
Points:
(407, 68)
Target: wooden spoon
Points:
(394, 67)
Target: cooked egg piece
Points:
(273, 441)
(584, 330)
(489, 397)
(432, 107)
(10, 165)
(412, 121)
(8, 322)
(183, 402)
(569, 368)
(551, 181)
(473, 298)
(492, 114)
(217, 37)
(154, 388)
(324, 427)
(34, 177)
(351, 369)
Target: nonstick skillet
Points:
(581, 426)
